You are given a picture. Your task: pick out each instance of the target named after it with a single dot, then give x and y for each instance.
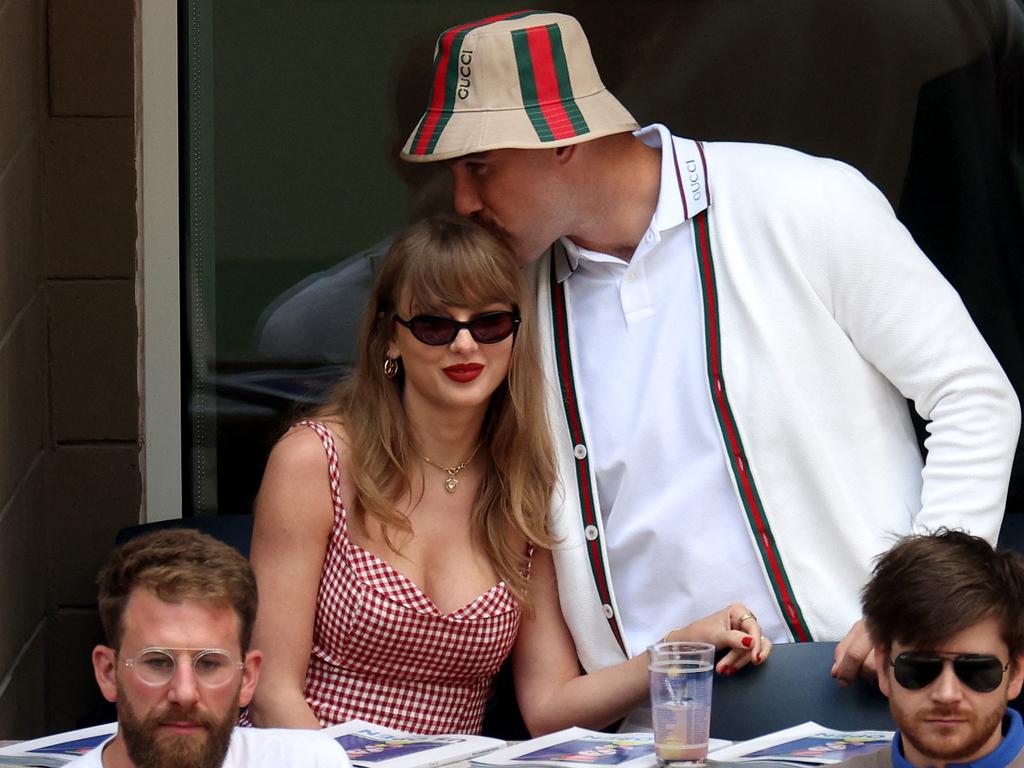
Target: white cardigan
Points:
(828, 317)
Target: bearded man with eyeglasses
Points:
(177, 608)
(946, 615)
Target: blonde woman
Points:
(400, 543)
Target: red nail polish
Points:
(747, 642)
(758, 657)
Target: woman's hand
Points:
(734, 627)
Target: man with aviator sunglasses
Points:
(177, 607)
(944, 613)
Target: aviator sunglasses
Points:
(438, 331)
(980, 672)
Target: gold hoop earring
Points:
(390, 367)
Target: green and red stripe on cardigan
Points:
(588, 509)
(739, 466)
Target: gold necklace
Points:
(452, 482)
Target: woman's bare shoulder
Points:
(296, 481)
(303, 447)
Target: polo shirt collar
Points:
(1000, 757)
(688, 178)
(670, 211)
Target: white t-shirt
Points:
(261, 748)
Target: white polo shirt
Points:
(674, 529)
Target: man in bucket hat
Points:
(734, 329)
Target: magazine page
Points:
(575, 747)
(56, 750)
(373, 746)
(807, 744)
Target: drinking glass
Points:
(681, 674)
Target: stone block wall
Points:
(69, 403)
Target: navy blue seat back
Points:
(792, 687)
(235, 530)
(1011, 534)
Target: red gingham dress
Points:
(383, 652)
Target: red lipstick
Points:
(463, 373)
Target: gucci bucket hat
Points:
(522, 80)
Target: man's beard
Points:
(930, 744)
(170, 750)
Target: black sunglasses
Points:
(980, 672)
(438, 331)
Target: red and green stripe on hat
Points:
(543, 80)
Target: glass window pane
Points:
(294, 112)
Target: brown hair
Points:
(450, 261)
(177, 564)
(929, 587)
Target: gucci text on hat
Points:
(521, 80)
